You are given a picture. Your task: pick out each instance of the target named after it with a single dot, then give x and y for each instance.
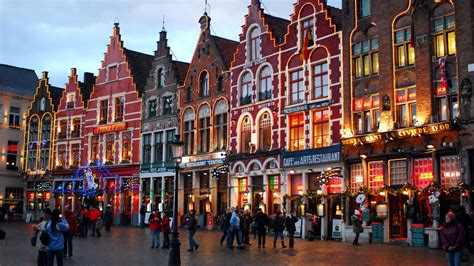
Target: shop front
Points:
(38, 196)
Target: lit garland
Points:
(43, 186)
(132, 184)
(330, 173)
(222, 169)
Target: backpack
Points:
(44, 236)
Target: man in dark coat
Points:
(261, 222)
(225, 225)
(142, 215)
(290, 226)
(108, 217)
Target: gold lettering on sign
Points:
(110, 128)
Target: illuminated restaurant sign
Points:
(324, 155)
(110, 128)
(307, 107)
(399, 134)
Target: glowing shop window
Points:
(450, 168)
(376, 180)
(357, 179)
(423, 169)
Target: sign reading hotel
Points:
(110, 128)
(331, 154)
(399, 134)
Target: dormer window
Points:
(71, 100)
(254, 44)
(160, 78)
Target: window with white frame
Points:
(246, 135)
(321, 129)
(246, 89)
(158, 152)
(112, 73)
(169, 146)
(254, 44)
(75, 155)
(357, 179)
(406, 106)
(450, 169)
(265, 132)
(188, 130)
(365, 58)
(146, 149)
(398, 172)
(403, 42)
(447, 98)
(204, 84)
(160, 78)
(307, 25)
(265, 84)
(71, 100)
(296, 87)
(320, 81)
(220, 121)
(376, 176)
(14, 117)
(204, 129)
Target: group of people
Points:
(92, 218)
(159, 224)
(238, 223)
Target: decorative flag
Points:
(443, 74)
(304, 52)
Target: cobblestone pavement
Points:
(131, 246)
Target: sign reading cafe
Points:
(331, 154)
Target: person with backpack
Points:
(69, 234)
(165, 227)
(54, 238)
(192, 227)
(155, 228)
(278, 228)
(290, 224)
(41, 227)
(261, 222)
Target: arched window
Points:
(45, 142)
(254, 44)
(188, 130)
(160, 78)
(204, 128)
(265, 132)
(32, 143)
(444, 37)
(245, 135)
(246, 89)
(204, 85)
(220, 127)
(365, 53)
(404, 42)
(265, 84)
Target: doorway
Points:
(398, 221)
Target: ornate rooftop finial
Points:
(163, 27)
(116, 22)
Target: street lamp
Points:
(175, 257)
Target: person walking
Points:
(290, 224)
(225, 224)
(452, 239)
(356, 227)
(55, 228)
(234, 229)
(85, 220)
(278, 228)
(243, 228)
(40, 227)
(69, 234)
(165, 227)
(155, 228)
(142, 215)
(192, 227)
(94, 215)
(261, 223)
(108, 217)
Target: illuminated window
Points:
(167, 105)
(297, 136)
(364, 8)
(158, 152)
(12, 155)
(70, 100)
(246, 89)
(103, 111)
(94, 148)
(265, 84)
(320, 81)
(448, 105)
(423, 172)
(296, 87)
(265, 132)
(119, 106)
(62, 156)
(151, 108)
(321, 129)
(45, 151)
(204, 85)
(366, 114)
(33, 143)
(76, 127)
(444, 37)
(14, 118)
(376, 179)
(398, 172)
(406, 106)
(357, 179)
(365, 58)
(110, 148)
(254, 44)
(75, 155)
(450, 169)
(147, 149)
(246, 135)
(62, 129)
(126, 146)
(405, 52)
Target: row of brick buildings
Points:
(297, 114)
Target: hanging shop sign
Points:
(275, 183)
(202, 163)
(331, 154)
(399, 134)
(110, 128)
(307, 107)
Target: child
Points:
(98, 226)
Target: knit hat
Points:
(356, 212)
(451, 215)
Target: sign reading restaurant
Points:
(307, 107)
(202, 160)
(399, 134)
(331, 154)
(110, 128)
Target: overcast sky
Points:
(56, 35)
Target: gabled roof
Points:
(18, 80)
(140, 65)
(181, 71)
(226, 49)
(278, 26)
(56, 94)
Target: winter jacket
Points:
(71, 221)
(452, 235)
(40, 227)
(226, 221)
(56, 238)
(94, 214)
(85, 214)
(290, 223)
(242, 222)
(261, 220)
(356, 224)
(155, 222)
(192, 223)
(165, 224)
(278, 224)
(108, 215)
(234, 220)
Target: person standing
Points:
(108, 217)
(142, 215)
(69, 234)
(55, 229)
(84, 225)
(192, 227)
(356, 227)
(98, 226)
(155, 228)
(261, 223)
(42, 254)
(225, 224)
(94, 215)
(452, 239)
(290, 224)
(248, 226)
(278, 228)
(165, 227)
(234, 229)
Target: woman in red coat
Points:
(155, 228)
